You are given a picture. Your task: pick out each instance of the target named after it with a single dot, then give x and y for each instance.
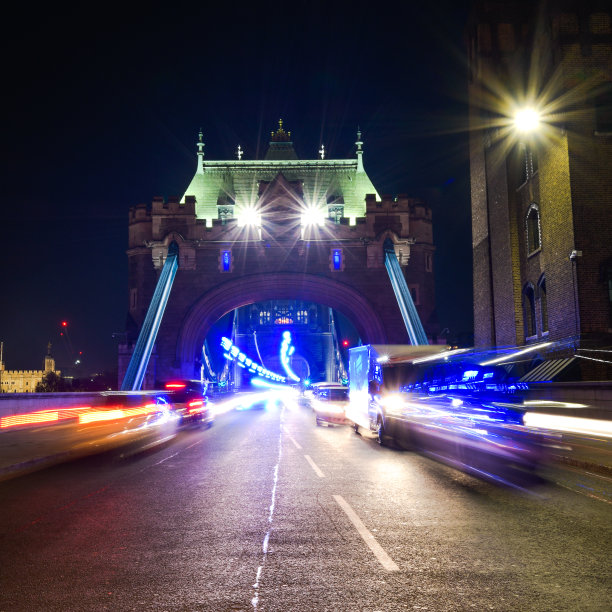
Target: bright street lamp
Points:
(527, 120)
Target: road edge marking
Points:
(383, 558)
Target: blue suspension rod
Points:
(416, 333)
(148, 333)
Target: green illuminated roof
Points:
(236, 182)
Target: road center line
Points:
(314, 466)
(264, 548)
(384, 559)
(295, 443)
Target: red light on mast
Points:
(64, 323)
(345, 343)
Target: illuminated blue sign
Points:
(337, 259)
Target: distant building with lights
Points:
(542, 202)
(25, 381)
(303, 237)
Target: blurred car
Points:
(486, 439)
(39, 432)
(190, 402)
(313, 390)
(329, 405)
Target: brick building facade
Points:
(227, 262)
(541, 202)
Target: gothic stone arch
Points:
(260, 287)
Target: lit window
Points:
(283, 321)
(283, 316)
(264, 317)
(302, 317)
(225, 213)
(337, 259)
(532, 227)
(226, 261)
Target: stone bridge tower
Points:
(276, 228)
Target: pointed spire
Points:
(239, 152)
(200, 145)
(359, 144)
(281, 146)
(322, 151)
(280, 135)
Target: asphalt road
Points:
(266, 511)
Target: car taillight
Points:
(195, 406)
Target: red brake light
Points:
(195, 406)
(175, 385)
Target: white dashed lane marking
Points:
(384, 559)
(314, 466)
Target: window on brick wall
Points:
(529, 318)
(532, 228)
(543, 304)
(428, 262)
(530, 162)
(603, 110)
(414, 294)
(608, 279)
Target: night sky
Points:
(102, 112)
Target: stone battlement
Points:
(23, 372)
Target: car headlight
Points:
(329, 408)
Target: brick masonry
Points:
(570, 180)
(280, 260)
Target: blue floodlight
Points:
(337, 259)
(226, 260)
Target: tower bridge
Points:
(249, 231)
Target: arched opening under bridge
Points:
(214, 304)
